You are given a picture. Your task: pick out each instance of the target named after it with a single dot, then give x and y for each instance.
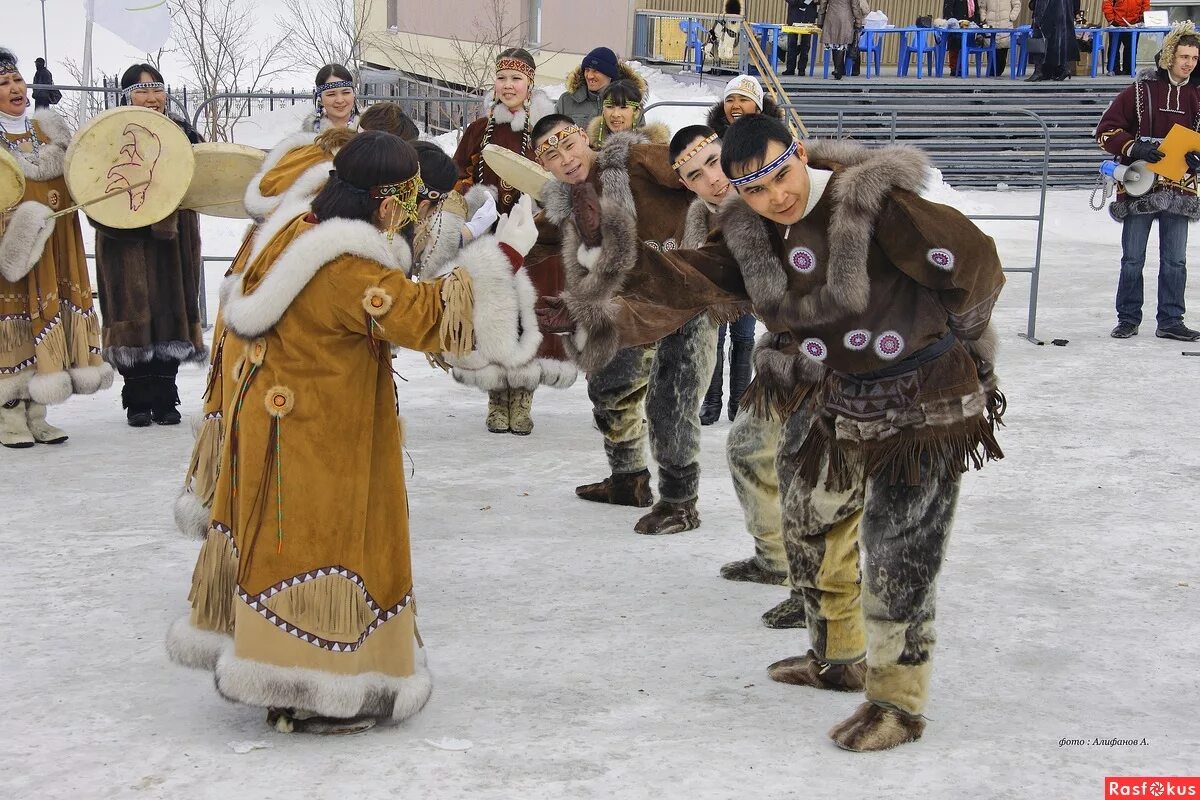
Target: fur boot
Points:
(788, 614)
(753, 571)
(14, 425)
(520, 408)
(667, 517)
(874, 727)
(166, 397)
(137, 397)
(808, 670)
(739, 374)
(43, 432)
(620, 489)
(710, 408)
(497, 417)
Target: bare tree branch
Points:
(321, 32)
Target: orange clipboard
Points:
(1179, 142)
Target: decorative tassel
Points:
(457, 333)
(278, 487)
(204, 467)
(214, 584)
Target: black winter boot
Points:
(621, 489)
(710, 409)
(839, 63)
(166, 394)
(740, 361)
(137, 398)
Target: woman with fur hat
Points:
(301, 600)
(149, 282)
(515, 107)
(49, 330)
(621, 104)
(599, 68)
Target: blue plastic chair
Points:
(979, 51)
(697, 35)
(924, 45)
(870, 52)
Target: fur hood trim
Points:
(716, 114)
(52, 155)
(866, 177)
(253, 314)
(625, 72)
(307, 186)
(28, 230)
(540, 105)
(1170, 42)
(257, 205)
(655, 132)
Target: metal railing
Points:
(693, 41)
(883, 125)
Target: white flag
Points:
(145, 24)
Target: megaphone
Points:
(1136, 179)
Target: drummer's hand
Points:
(516, 229)
(585, 210)
(484, 218)
(552, 315)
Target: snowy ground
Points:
(576, 659)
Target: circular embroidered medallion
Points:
(941, 258)
(280, 400)
(857, 340)
(802, 260)
(889, 345)
(814, 348)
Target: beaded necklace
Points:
(15, 146)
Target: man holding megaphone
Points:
(1131, 129)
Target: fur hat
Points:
(1178, 31)
(746, 86)
(603, 61)
(8, 61)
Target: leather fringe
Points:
(204, 467)
(332, 607)
(772, 400)
(457, 333)
(15, 334)
(214, 584)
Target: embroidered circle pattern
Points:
(941, 258)
(802, 260)
(857, 340)
(814, 348)
(889, 345)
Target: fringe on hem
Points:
(204, 468)
(331, 607)
(214, 584)
(772, 400)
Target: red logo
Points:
(1155, 787)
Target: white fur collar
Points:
(51, 156)
(253, 314)
(258, 205)
(540, 105)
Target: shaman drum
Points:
(223, 171)
(138, 156)
(518, 171)
(12, 187)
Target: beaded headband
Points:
(515, 64)
(8, 67)
(425, 193)
(157, 85)
(767, 169)
(688, 154)
(627, 104)
(324, 87)
(556, 139)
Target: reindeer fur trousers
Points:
(670, 377)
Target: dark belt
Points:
(913, 362)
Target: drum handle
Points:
(113, 193)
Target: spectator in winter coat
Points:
(961, 11)
(1000, 14)
(1055, 20)
(1124, 14)
(799, 12)
(581, 100)
(44, 98)
(841, 22)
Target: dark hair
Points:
(39, 62)
(134, 75)
(332, 71)
(621, 92)
(686, 136)
(733, 7)
(519, 53)
(371, 158)
(744, 146)
(390, 118)
(549, 123)
(1188, 40)
(438, 170)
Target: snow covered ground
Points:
(573, 658)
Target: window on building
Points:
(535, 22)
(393, 13)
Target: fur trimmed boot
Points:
(874, 727)
(751, 570)
(667, 517)
(497, 416)
(621, 489)
(14, 426)
(166, 397)
(43, 432)
(808, 670)
(137, 398)
(710, 407)
(520, 409)
(739, 374)
(287, 720)
(788, 614)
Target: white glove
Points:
(517, 229)
(484, 218)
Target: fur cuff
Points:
(89, 380)
(194, 647)
(540, 372)
(191, 516)
(25, 237)
(16, 387)
(373, 693)
(50, 389)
